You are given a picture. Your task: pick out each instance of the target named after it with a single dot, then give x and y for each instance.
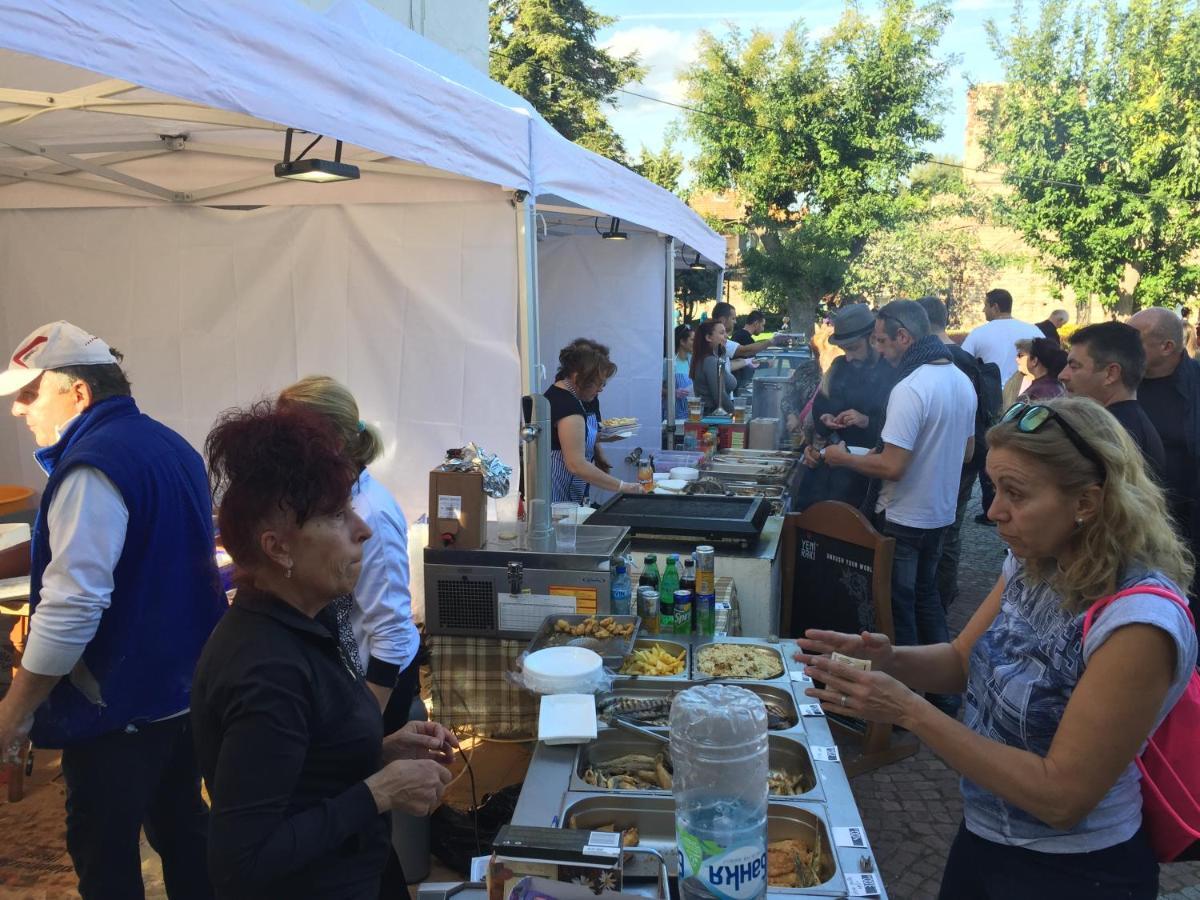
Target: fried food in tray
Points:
(739, 661)
(632, 772)
(600, 629)
(644, 772)
(793, 864)
(654, 660)
(657, 711)
(619, 422)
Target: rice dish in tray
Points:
(739, 661)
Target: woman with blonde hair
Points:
(376, 619)
(1051, 797)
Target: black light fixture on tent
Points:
(696, 264)
(614, 233)
(316, 170)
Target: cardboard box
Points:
(457, 510)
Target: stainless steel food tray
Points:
(698, 653)
(786, 752)
(613, 650)
(775, 694)
(673, 647)
(654, 817)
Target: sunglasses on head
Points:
(1029, 418)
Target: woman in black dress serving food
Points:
(576, 463)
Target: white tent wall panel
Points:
(215, 308)
(612, 292)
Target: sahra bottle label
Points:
(739, 873)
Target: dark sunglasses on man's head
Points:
(1031, 417)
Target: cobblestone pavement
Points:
(912, 808)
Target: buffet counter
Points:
(811, 803)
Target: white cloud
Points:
(663, 53)
(732, 16)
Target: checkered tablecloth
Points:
(470, 689)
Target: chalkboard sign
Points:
(836, 572)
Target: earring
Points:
(287, 572)
(1078, 524)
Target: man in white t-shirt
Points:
(928, 434)
(995, 341)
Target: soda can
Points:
(706, 570)
(704, 609)
(647, 606)
(683, 612)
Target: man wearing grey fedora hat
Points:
(848, 408)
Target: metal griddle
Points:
(708, 518)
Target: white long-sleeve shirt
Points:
(87, 519)
(382, 614)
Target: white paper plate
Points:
(672, 484)
(685, 473)
(562, 670)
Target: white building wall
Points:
(461, 26)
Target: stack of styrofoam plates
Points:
(562, 670)
(685, 473)
(670, 486)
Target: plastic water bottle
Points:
(719, 753)
(621, 592)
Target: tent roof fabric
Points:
(353, 73)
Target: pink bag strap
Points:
(1100, 605)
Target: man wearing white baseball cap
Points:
(124, 592)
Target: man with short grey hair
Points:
(123, 592)
(928, 432)
(1170, 395)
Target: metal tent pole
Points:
(669, 344)
(535, 433)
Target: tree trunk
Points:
(1126, 287)
(803, 313)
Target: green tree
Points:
(664, 167)
(816, 136)
(694, 288)
(1105, 95)
(934, 254)
(545, 50)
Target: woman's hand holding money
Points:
(876, 648)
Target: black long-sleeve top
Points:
(285, 734)
(864, 387)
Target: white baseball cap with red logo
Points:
(52, 346)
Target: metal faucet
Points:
(634, 457)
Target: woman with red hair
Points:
(288, 736)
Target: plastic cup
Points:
(566, 527)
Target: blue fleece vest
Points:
(166, 596)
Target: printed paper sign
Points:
(449, 507)
(825, 754)
(602, 843)
(479, 865)
(854, 836)
(798, 675)
(811, 709)
(865, 884)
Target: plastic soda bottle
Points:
(669, 583)
(649, 576)
(719, 751)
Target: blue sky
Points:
(664, 33)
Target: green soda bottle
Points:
(667, 588)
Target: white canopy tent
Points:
(403, 283)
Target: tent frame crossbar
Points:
(101, 98)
